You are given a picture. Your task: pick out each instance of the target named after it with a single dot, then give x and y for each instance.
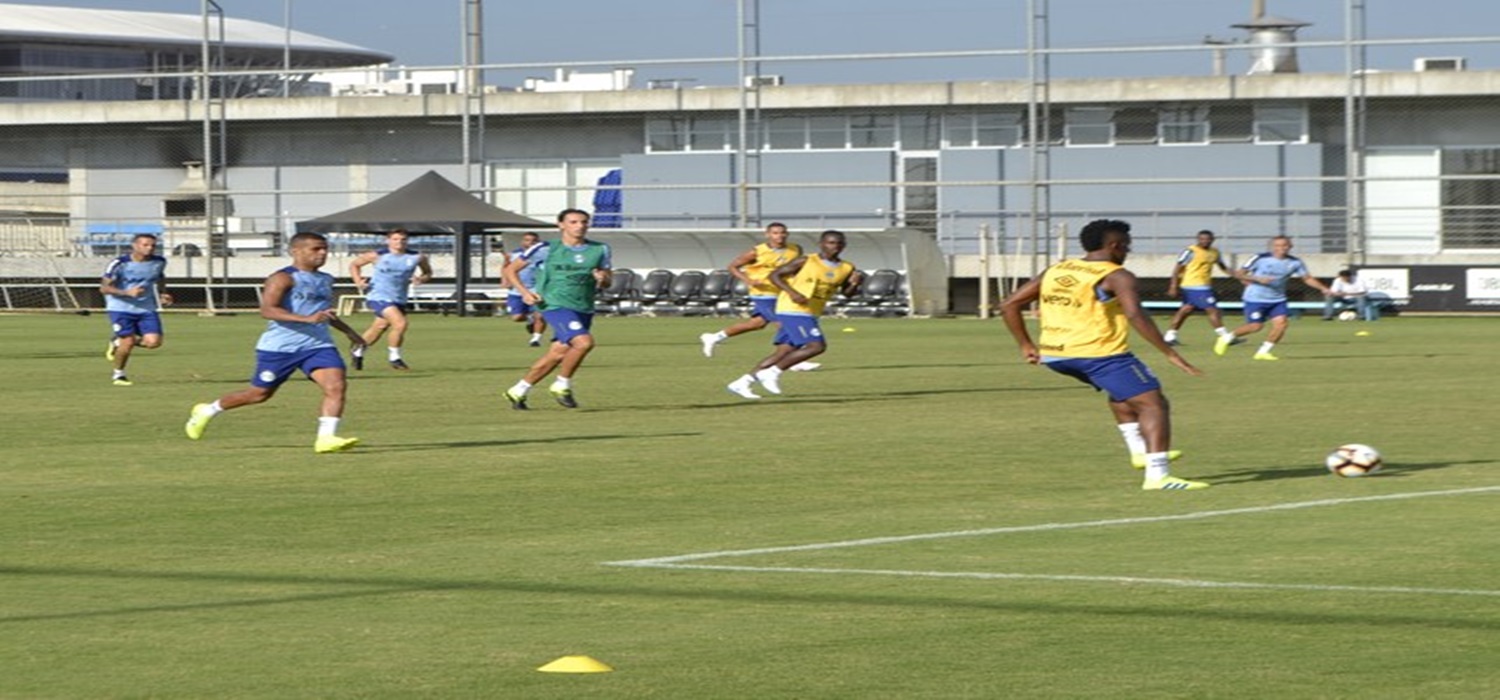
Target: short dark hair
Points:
(306, 236)
(775, 224)
(834, 233)
(1095, 232)
(564, 214)
(1346, 273)
(1206, 232)
(139, 236)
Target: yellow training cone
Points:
(1362, 333)
(849, 329)
(576, 664)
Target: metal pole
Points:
(463, 89)
(1354, 60)
(286, 49)
(984, 271)
(743, 186)
(206, 104)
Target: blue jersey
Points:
(392, 275)
(535, 256)
(1279, 269)
(125, 273)
(310, 293)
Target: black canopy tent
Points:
(427, 206)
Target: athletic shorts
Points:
(567, 324)
(516, 305)
(798, 331)
(764, 307)
(378, 307)
(1260, 311)
(128, 324)
(274, 368)
(1199, 298)
(1120, 376)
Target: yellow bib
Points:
(1199, 271)
(818, 280)
(1075, 321)
(767, 259)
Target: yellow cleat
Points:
(1265, 356)
(1139, 461)
(1172, 483)
(109, 351)
(198, 421)
(1221, 345)
(333, 443)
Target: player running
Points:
(1192, 277)
(134, 287)
(395, 268)
(1265, 277)
(534, 253)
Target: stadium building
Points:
(1396, 171)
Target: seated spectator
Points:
(1347, 291)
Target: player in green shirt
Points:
(576, 269)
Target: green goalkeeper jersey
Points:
(566, 280)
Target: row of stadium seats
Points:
(699, 293)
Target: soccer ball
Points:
(1353, 460)
(1348, 315)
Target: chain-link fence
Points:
(1364, 148)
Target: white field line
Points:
(681, 561)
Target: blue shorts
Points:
(798, 331)
(764, 307)
(567, 324)
(274, 368)
(1259, 311)
(128, 324)
(1121, 376)
(516, 305)
(1199, 298)
(378, 306)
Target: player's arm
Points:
(605, 273)
(355, 339)
(780, 275)
(162, 295)
(110, 279)
(511, 273)
(851, 285)
(1313, 282)
(424, 270)
(1176, 275)
(736, 266)
(1122, 284)
(271, 296)
(357, 264)
(1011, 310)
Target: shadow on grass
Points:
(461, 444)
(52, 355)
(593, 592)
(1390, 471)
(840, 399)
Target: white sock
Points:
(1156, 466)
(773, 371)
(1170, 335)
(328, 426)
(1133, 438)
(1224, 332)
(394, 353)
(215, 409)
(119, 373)
(720, 337)
(521, 388)
(358, 351)
(1266, 347)
(745, 379)
(562, 384)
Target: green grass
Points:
(463, 544)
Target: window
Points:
(920, 132)
(1089, 126)
(992, 130)
(1280, 124)
(1183, 125)
(1471, 217)
(872, 131)
(540, 189)
(827, 132)
(710, 134)
(786, 133)
(666, 135)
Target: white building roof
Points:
(162, 30)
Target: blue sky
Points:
(618, 32)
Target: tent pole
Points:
(461, 271)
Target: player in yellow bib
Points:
(754, 267)
(1086, 308)
(806, 284)
(1192, 278)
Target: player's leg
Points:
(742, 386)
(1278, 325)
(1255, 316)
(1178, 318)
(762, 313)
(1152, 413)
(805, 337)
(127, 331)
(332, 381)
(538, 327)
(395, 319)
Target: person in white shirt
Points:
(1348, 291)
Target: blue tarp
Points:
(608, 201)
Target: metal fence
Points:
(1377, 147)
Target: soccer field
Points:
(924, 517)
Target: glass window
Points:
(1280, 124)
(827, 132)
(1089, 126)
(1183, 125)
(786, 133)
(997, 129)
(663, 135)
(920, 132)
(872, 131)
(708, 134)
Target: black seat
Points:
(880, 294)
(655, 290)
(717, 289)
(620, 296)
